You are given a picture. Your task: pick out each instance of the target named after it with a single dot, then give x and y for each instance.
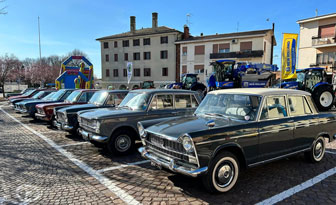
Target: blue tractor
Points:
(317, 82)
(229, 74)
(189, 81)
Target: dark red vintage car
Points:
(46, 112)
(28, 94)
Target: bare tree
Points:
(8, 64)
(3, 8)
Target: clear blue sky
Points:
(70, 24)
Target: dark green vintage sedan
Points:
(235, 129)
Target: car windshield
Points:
(232, 106)
(49, 96)
(135, 101)
(98, 98)
(38, 94)
(29, 92)
(73, 96)
(57, 95)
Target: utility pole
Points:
(38, 22)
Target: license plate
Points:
(156, 165)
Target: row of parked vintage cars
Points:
(213, 138)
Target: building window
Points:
(107, 72)
(327, 31)
(126, 43)
(116, 44)
(115, 73)
(164, 71)
(136, 42)
(164, 54)
(126, 56)
(107, 58)
(199, 50)
(199, 68)
(184, 69)
(326, 58)
(164, 39)
(136, 72)
(246, 46)
(125, 72)
(147, 72)
(146, 41)
(136, 56)
(224, 48)
(184, 51)
(147, 55)
(105, 44)
(115, 57)
(215, 48)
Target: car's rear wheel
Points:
(121, 142)
(317, 150)
(222, 174)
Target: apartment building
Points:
(151, 50)
(317, 45)
(198, 52)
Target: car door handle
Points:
(290, 121)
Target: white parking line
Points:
(122, 166)
(74, 144)
(128, 199)
(330, 152)
(285, 194)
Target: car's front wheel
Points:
(317, 150)
(222, 174)
(121, 142)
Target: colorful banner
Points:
(288, 56)
(129, 71)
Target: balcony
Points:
(238, 54)
(317, 41)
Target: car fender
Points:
(230, 146)
(320, 84)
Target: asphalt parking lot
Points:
(40, 165)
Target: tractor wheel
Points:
(324, 98)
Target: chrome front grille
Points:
(164, 146)
(86, 123)
(61, 117)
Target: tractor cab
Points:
(147, 84)
(224, 73)
(188, 80)
(309, 78)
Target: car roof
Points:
(162, 91)
(261, 91)
(114, 91)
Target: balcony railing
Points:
(239, 54)
(318, 41)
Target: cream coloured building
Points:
(317, 45)
(198, 52)
(151, 50)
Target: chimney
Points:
(132, 19)
(186, 32)
(201, 34)
(154, 20)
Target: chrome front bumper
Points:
(41, 116)
(90, 136)
(161, 162)
(62, 126)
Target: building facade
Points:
(198, 52)
(151, 50)
(317, 45)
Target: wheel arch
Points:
(124, 127)
(234, 149)
(325, 135)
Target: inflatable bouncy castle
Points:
(75, 77)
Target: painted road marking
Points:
(330, 152)
(128, 199)
(285, 194)
(73, 144)
(122, 166)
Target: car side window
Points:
(89, 95)
(161, 102)
(83, 97)
(274, 107)
(182, 101)
(111, 100)
(67, 93)
(306, 107)
(296, 106)
(194, 102)
(118, 98)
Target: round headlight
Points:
(141, 129)
(187, 143)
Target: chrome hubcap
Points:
(318, 149)
(225, 174)
(123, 143)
